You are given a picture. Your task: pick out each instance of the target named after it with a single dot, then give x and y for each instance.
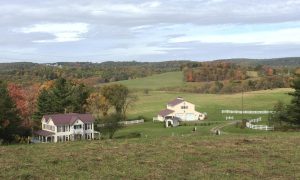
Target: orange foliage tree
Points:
(25, 100)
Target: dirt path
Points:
(213, 130)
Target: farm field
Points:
(148, 105)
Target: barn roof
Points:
(69, 119)
(165, 112)
(175, 102)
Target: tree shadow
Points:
(130, 135)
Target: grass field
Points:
(193, 156)
(148, 105)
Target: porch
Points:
(44, 136)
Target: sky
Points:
(140, 30)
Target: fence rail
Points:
(258, 127)
(126, 122)
(245, 112)
(132, 122)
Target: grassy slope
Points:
(194, 156)
(170, 79)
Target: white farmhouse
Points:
(66, 127)
(181, 110)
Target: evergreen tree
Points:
(45, 105)
(79, 98)
(61, 94)
(294, 107)
(10, 122)
(63, 97)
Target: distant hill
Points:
(276, 62)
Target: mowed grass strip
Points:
(271, 156)
(169, 79)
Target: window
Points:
(184, 107)
(77, 126)
(87, 126)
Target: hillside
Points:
(194, 156)
(154, 82)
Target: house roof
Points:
(43, 133)
(175, 102)
(165, 112)
(69, 119)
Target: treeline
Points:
(228, 87)
(222, 70)
(22, 107)
(289, 62)
(226, 77)
(89, 73)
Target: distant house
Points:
(181, 109)
(66, 127)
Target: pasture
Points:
(169, 79)
(191, 156)
(148, 105)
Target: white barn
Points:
(181, 109)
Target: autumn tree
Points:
(25, 100)
(117, 95)
(98, 105)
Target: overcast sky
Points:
(102, 30)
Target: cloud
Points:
(63, 32)
(149, 29)
(282, 36)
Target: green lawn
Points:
(170, 79)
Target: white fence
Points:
(126, 122)
(258, 127)
(245, 112)
(155, 119)
(132, 122)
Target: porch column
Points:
(92, 131)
